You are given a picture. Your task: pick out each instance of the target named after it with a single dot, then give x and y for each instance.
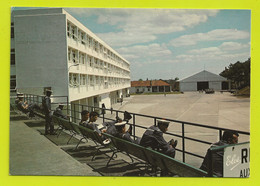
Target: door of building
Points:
(202, 85)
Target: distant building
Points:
(174, 84)
(149, 86)
(51, 49)
(204, 80)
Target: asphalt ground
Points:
(222, 110)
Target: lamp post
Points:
(68, 99)
(73, 65)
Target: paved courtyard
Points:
(218, 110)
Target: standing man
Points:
(46, 103)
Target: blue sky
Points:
(169, 43)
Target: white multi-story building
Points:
(51, 49)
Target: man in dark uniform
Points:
(153, 137)
(229, 137)
(46, 103)
(84, 118)
(18, 95)
(58, 112)
(25, 107)
(110, 126)
(93, 116)
(91, 124)
(122, 133)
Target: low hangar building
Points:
(204, 80)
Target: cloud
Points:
(143, 25)
(160, 54)
(210, 50)
(125, 38)
(227, 51)
(233, 46)
(145, 53)
(214, 35)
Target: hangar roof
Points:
(203, 76)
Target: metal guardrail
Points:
(74, 110)
(183, 124)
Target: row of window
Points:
(75, 56)
(12, 30)
(82, 37)
(91, 80)
(12, 57)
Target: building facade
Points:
(149, 86)
(204, 80)
(51, 49)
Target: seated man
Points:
(110, 126)
(84, 118)
(153, 137)
(24, 107)
(58, 112)
(229, 137)
(122, 133)
(18, 94)
(91, 124)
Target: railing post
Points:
(183, 143)
(210, 164)
(220, 134)
(74, 118)
(154, 121)
(67, 105)
(134, 125)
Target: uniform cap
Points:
(118, 124)
(163, 122)
(48, 90)
(19, 93)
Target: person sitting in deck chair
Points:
(153, 137)
(110, 125)
(123, 133)
(84, 118)
(18, 94)
(229, 137)
(58, 112)
(96, 127)
(93, 116)
(25, 107)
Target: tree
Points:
(238, 73)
